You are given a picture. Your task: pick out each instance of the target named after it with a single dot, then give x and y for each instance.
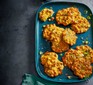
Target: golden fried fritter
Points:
(86, 51)
(54, 34)
(59, 46)
(82, 68)
(55, 70)
(49, 58)
(70, 57)
(80, 25)
(67, 16)
(69, 36)
(79, 60)
(52, 66)
(48, 31)
(45, 14)
(51, 32)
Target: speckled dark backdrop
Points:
(17, 40)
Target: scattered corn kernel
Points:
(49, 19)
(40, 52)
(44, 25)
(85, 42)
(69, 77)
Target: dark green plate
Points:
(42, 45)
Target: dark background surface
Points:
(17, 40)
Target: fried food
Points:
(45, 14)
(51, 32)
(69, 36)
(82, 68)
(79, 60)
(71, 56)
(52, 66)
(48, 58)
(81, 25)
(54, 34)
(86, 51)
(59, 46)
(55, 70)
(67, 16)
(48, 29)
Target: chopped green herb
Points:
(85, 53)
(88, 17)
(61, 54)
(87, 76)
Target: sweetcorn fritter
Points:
(52, 32)
(48, 57)
(67, 16)
(59, 46)
(87, 52)
(47, 31)
(52, 66)
(70, 57)
(69, 36)
(45, 14)
(79, 61)
(55, 70)
(82, 68)
(81, 25)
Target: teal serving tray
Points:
(41, 45)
